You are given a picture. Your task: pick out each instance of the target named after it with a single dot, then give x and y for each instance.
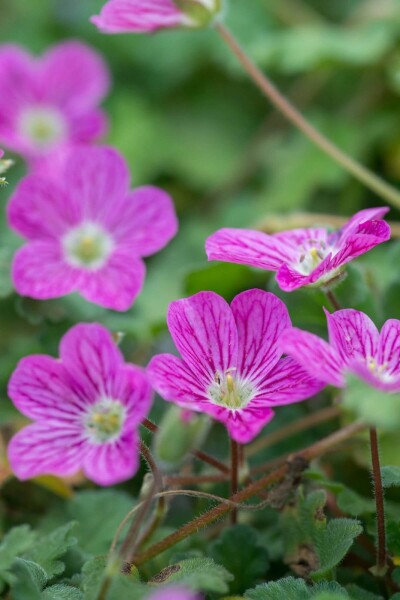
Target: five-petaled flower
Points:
(145, 16)
(302, 257)
(86, 408)
(52, 102)
(355, 345)
(232, 367)
(88, 232)
(174, 593)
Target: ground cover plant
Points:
(200, 300)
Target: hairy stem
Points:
(132, 539)
(199, 454)
(369, 179)
(247, 493)
(234, 475)
(381, 555)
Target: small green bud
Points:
(180, 432)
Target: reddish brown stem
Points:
(234, 475)
(248, 492)
(381, 554)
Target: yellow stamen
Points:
(230, 384)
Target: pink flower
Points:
(86, 408)
(302, 257)
(145, 16)
(232, 367)
(88, 232)
(50, 102)
(174, 593)
(354, 345)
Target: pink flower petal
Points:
(89, 353)
(352, 334)
(174, 593)
(389, 346)
(17, 89)
(38, 271)
(40, 209)
(117, 284)
(111, 463)
(369, 214)
(204, 331)
(172, 379)
(45, 449)
(260, 317)
(73, 77)
(315, 355)
(146, 220)
(287, 383)
(88, 127)
(362, 371)
(41, 388)
(118, 16)
(132, 388)
(248, 247)
(98, 177)
(243, 425)
(367, 236)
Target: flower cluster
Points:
(144, 16)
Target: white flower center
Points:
(379, 371)
(311, 255)
(43, 126)
(87, 246)
(229, 391)
(104, 420)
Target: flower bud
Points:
(180, 432)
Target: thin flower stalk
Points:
(364, 175)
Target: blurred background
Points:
(187, 118)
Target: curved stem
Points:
(247, 493)
(369, 179)
(381, 555)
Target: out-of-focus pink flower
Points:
(232, 367)
(355, 345)
(86, 407)
(302, 257)
(88, 232)
(50, 102)
(174, 593)
(145, 16)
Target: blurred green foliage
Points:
(187, 118)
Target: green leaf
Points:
(16, 542)
(62, 592)
(357, 593)
(197, 573)
(334, 542)
(296, 589)
(390, 476)
(239, 550)
(372, 405)
(353, 504)
(122, 586)
(51, 547)
(29, 580)
(97, 513)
